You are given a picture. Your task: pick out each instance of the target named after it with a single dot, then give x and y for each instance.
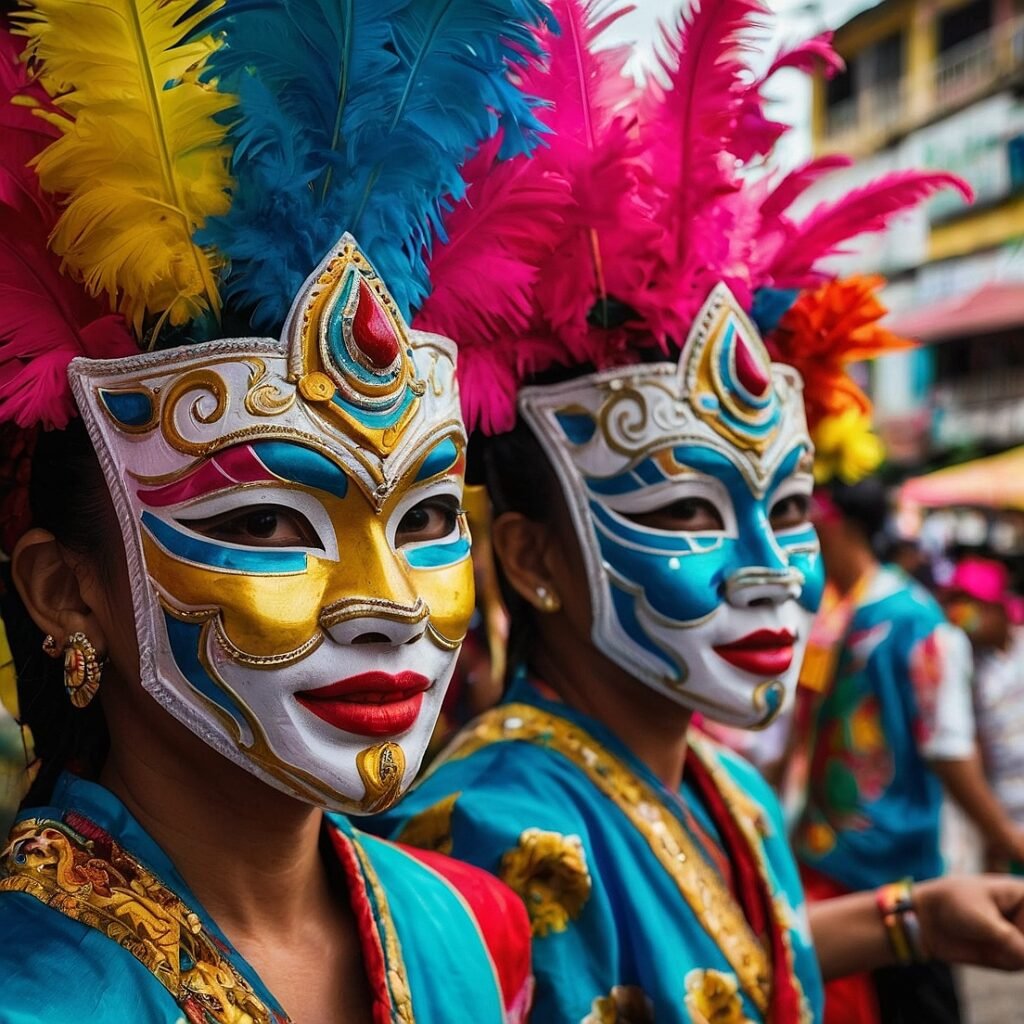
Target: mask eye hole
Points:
(259, 526)
(431, 519)
(790, 511)
(687, 515)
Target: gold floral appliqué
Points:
(549, 873)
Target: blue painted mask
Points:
(688, 486)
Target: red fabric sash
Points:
(754, 895)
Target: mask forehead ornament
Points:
(345, 423)
(725, 428)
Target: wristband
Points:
(895, 903)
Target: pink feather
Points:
(794, 184)
(863, 211)
(757, 135)
(808, 57)
(47, 319)
(688, 129)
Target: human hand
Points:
(973, 920)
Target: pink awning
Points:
(993, 307)
(995, 482)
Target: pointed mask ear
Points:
(58, 589)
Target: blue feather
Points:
(357, 115)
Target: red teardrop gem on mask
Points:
(752, 375)
(372, 331)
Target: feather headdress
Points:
(664, 206)
(172, 170)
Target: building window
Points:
(964, 23)
(841, 100)
(967, 56)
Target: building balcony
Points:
(871, 113)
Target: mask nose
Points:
(763, 588)
(374, 622)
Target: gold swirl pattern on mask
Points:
(639, 417)
(698, 882)
(382, 768)
(431, 829)
(548, 871)
(625, 1004)
(712, 997)
(81, 872)
(265, 397)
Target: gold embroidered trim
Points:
(398, 981)
(700, 885)
(752, 823)
(95, 881)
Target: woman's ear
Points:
(54, 588)
(522, 546)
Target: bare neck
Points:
(650, 725)
(249, 853)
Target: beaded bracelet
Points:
(896, 905)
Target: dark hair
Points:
(68, 497)
(519, 478)
(865, 504)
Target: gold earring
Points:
(82, 670)
(547, 601)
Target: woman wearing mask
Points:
(245, 549)
(651, 521)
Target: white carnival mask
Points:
(298, 556)
(717, 620)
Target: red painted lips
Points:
(371, 704)
(767, 652)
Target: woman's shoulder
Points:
(56, 969)
(448, 915)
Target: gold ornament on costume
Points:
(98, 883)
(712, 997)
(431, 829)
(625, 1004)
(382, 768)
(81, 669)
(549, 872)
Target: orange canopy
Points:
(994, 482)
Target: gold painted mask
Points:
(298, 555)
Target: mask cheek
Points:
(681, 584)
(449, 593)
(262, 615)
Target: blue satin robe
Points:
(631, 920)
(423, 935)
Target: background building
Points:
(938, 83)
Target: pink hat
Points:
(983, 579)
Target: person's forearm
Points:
(849, 935)
(965, 782)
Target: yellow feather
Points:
(141, 161)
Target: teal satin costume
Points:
(435, 934)
(632, 916)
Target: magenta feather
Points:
(484, 276)
(865, 210)
(47, 318)
(757, 134)
(808, 57)
(593, 145)
(689, 128)
(794, 184)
